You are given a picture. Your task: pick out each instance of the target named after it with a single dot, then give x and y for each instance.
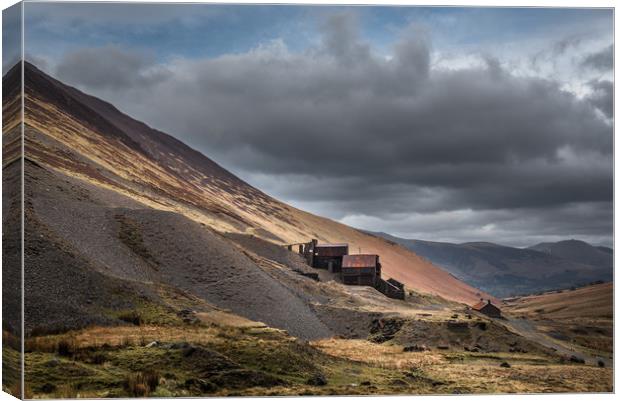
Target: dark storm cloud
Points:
(109, 67)
(360, 136)
(586, 221)
(601, 61)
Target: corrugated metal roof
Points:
(331, 245)
(360, 260)
(479, 305)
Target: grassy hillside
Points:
(581, 317)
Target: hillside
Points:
(578, 251)
(152, 271)
(94, 142)
(589, 302)
(507, 271)
(582, 318)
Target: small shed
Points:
(329, 256)
(391, 288)
(361, 269)
(487, 308)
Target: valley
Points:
(152, 271)
(506, 271)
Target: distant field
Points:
(580, 318)
(593, 302)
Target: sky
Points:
(444, 124)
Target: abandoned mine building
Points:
(329, 256)
(353, 269)
(361, 269)
(487, 308)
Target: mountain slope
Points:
(506, 271)
(589, 302)
(579, 316)
(90, 140)
(577, 251)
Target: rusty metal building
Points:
(487, 308)
(361, 269)
(329, 256)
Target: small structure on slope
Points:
(329, 256)
(487, 308)
(361, 269)
(322, 256)
(391, 288)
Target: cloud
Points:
(11, 37)
(346, 132)
(602, 96)
(109, 67)
(601, 61)
(585, 221)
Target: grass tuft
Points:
(141, 384)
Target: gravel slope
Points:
(167, 248)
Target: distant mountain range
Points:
(506, 271)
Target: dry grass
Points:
(380, 355)
(221, 318)
(142, 384)
(591, 302)
(522, 378)
(11, 340)
(127, 336)
(127, 369)
(581, 318)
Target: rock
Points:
(189, 351)
(188, 316)
(399, 383)
(48, 388)
(52, 363)
(415, 348)
(576, 359)
(179, 345)
(365, 383)
(504, 365)
(443, 346)
(384, 329)
(203, 386)
(600, 363)
(317, 380)
(152, 344)
(457, 326)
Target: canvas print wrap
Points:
(12, 210)
(268, 200)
